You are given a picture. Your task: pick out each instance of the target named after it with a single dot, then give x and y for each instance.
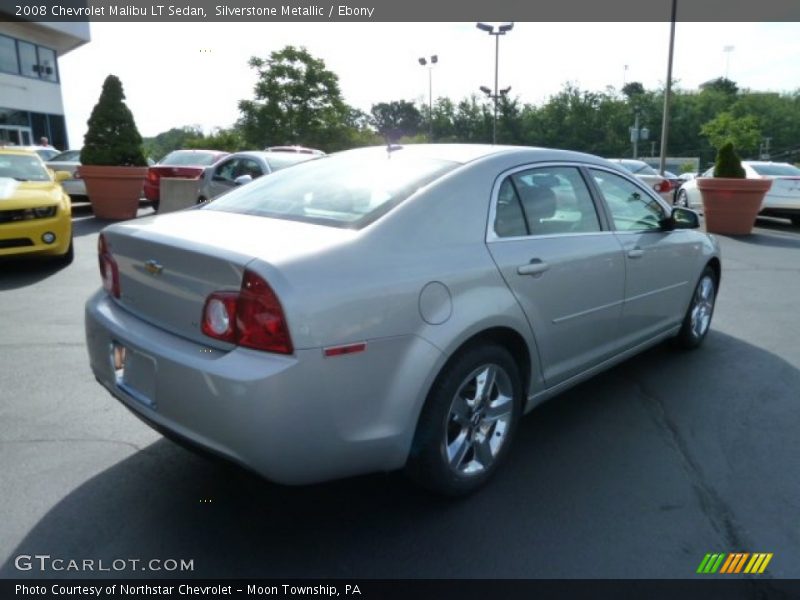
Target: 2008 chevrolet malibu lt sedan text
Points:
(392, 307)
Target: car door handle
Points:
(535, 267)
(635, 253)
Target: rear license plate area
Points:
(135, 373)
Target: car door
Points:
(565, 268)
(657, 287)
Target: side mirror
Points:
(62, 175)
(681, 218)
(242, 179)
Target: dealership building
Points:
(31, 105)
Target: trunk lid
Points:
(168, 265)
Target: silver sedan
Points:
(243, 167)
(389, 308)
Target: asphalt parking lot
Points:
(637, 473)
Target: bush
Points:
(112, 138)
(728, 163)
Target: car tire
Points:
(683, 199)
(468, 421)
(697, 321)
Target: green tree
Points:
(297, 101)
(174, 139)
(227, 140)
(112, 138)
(742, 132)
(396, 119)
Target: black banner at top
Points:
(397, 10)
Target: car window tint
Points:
(343, 191)
(509, 220)
(631, 207)
(554, 200)
(227, 170)
(248, 166)
(23, 168)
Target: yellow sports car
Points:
(35, 213)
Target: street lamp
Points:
(496, 32)
(727, 50)
(424, 62)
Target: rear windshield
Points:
(23, 167)
(777, 170)
(339, 191)
(180, 158)
(638, 168)
(286, 159)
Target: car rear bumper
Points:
(293, 419)
(25, 237)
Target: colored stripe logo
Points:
(732, 563)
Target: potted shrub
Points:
(730, 200)
(112, 160)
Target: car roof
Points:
(465, 153)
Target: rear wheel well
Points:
(511, 341)
(717, 268)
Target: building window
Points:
(8, 55)
(24, 58)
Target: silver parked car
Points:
(782, 199)
(69, 161)
(381, 309)
(662, 185)
(243, 167)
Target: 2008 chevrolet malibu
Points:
(392, 307)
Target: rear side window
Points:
(545, 201)
(339, 191)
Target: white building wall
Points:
(24, 93)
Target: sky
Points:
(195, 73)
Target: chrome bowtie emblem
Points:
(153, 267)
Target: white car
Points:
(782, 199)
(648, 174)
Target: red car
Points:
(187, 164)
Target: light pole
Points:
(662, 161)
(496, 32)
(424, 62)
(727, 50)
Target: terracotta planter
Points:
(731, 205)
(114, 191)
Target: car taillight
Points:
(663, 186)
(109, 272)
(152, 177)
(252, 317)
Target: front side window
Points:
(632, 209)
(545, 201)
